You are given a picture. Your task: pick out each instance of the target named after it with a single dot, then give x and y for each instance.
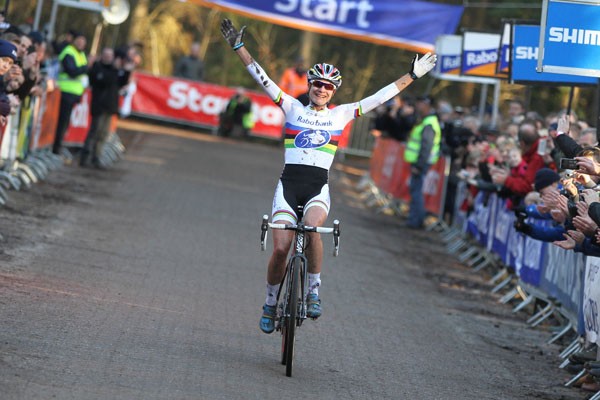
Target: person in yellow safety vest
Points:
(422, 151)
(72, 82)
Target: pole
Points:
(496, 104)
(38, 15)
(52, 20)
(482, 101)
(570, 103)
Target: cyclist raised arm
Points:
(311, 136)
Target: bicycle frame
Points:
(292, 307)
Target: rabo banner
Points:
(525, 58)
(448, 49)
(570, 39)
(480, 54)
(409, 24)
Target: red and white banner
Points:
(391, 174)
(199, 103)
(187, 102)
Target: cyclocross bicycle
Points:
(291, 297)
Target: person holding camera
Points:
(529, 140)
(547, 183)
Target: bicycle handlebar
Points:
(335, 230)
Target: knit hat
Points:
(545, 177)
(7, 49)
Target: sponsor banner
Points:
(391, 175)
(525, 58)
(480, 54)
(504, 221)
(50, 109)
(563, 279)
(591, 299)
(81, 119)
(409, 24)
(502, 66)
(448, 49)
(199, 103)
(570, 39)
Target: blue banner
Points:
(563, 279)
(571, 37)
(525, 57)
(409, 24)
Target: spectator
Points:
(294, 82)
(67, 39)
(588, 138)
(422, 151)
(396, 119)
(190, 66)
(237, 120)
(8, 56)
(105, 81)
(72, 81)
(528, 143)
(516, 111)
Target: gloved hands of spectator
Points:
(4, 106)
(421, 66)
(588, 166)
(522, 226)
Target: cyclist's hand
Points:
(232, 35)
(421, 66)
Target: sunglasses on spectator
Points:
(319, 84)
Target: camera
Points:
(568, 163)
(572, 208)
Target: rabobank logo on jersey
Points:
(312, 138)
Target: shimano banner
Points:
(525, 57)
(409, 24)
(570, 39)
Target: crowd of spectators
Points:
(30, 65)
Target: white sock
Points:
(314, 281)
(272, 294)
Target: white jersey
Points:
(311, 136)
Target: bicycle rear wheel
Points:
(293, 316)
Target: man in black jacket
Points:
(105, 81)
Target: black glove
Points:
(4, 106)
(523, 227)
(232, 35)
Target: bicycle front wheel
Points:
(293, 315)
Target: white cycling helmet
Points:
(326, 72)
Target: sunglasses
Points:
(319, 84)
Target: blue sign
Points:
(411, 24)
(525, 57)
(571, 37)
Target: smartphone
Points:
(568, 163)
(542, 145)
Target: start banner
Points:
(408, 24)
